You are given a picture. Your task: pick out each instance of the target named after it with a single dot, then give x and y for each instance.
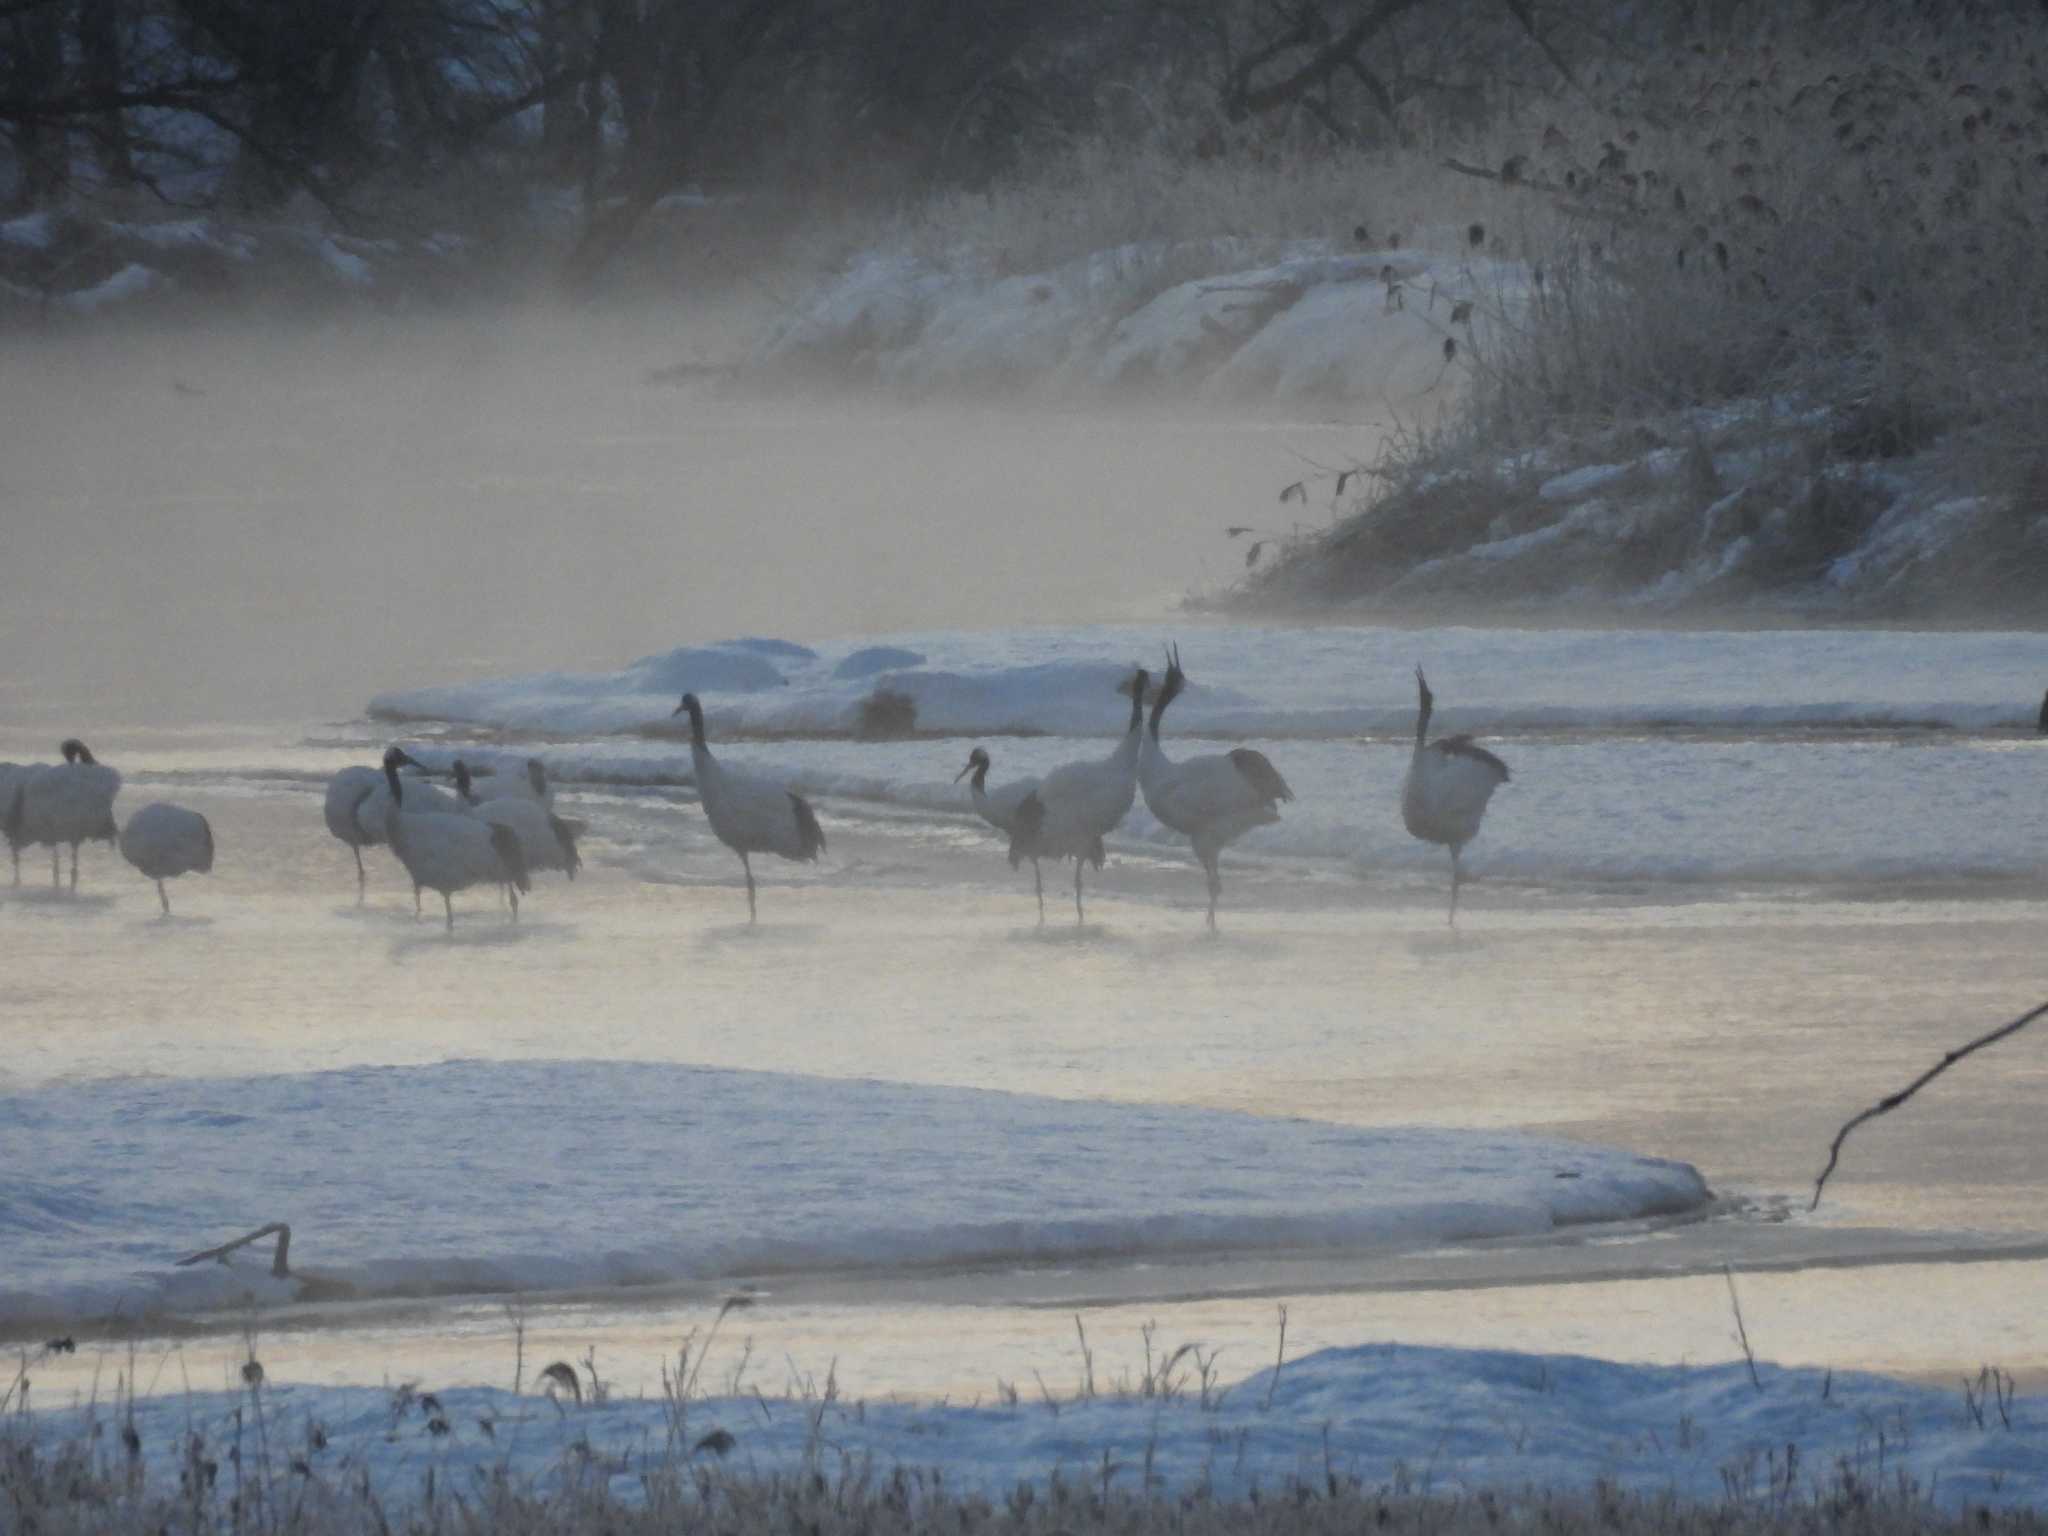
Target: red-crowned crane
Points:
(68, 802)
(998, 807)
(449, 851)
(1077, 805)
(1211, 800)
(165, 841)
(1449, 782)
(750, 815)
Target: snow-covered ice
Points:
(529, 1175)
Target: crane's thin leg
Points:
(512, 896)
(163, 896)
(74, 869)
(361, 878)
(749, 868)
(1038, 879)
(1215, 887)
(416, 902)
(1079, 916)
(17, 864)
(1457, 878)
(449, 902)
(56, 866)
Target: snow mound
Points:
(1378, 1417)
(131, 282)
(1280, 683)
(870, 659)
(479, 1166)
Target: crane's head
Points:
(395, 758)
(689, 706)
(76, 751)
(1422, 689)
(462, 779)
(978, 758)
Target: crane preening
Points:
(68, 802)
(165, 841)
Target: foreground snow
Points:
(525, 1175)
(1391, 1417)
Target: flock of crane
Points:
(498, 831)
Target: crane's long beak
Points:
(963, 773)
(676, 711)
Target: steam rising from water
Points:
(320, 513)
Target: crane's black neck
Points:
(391, 778)
(980, 778)
(537, 775)
(463, 781)
(696, 721)
(1168, 692)
(1138, 681)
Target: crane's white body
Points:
(998, 807)
(165, 841)
(530, 783)
(12, 777)
(346, 792)
(1211, 800)
(1444, 797)
(373, 812)
(450, 851)
(546, 840)
(68, 802)
(748, 814)
(1078, 804)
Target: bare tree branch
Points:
(278, 1265)
(1891, 1102)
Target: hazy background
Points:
(239, 523)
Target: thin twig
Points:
(1279, 1359)
(1891, 1102)
(1742, 1333)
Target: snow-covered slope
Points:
(1319, 323)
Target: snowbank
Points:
(1387, 1417)
(1730, 511)
(541, 1175)
(1291, 683)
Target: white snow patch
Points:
(34, 231)
(350, 268)
(131, 282)
(1582, 481)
